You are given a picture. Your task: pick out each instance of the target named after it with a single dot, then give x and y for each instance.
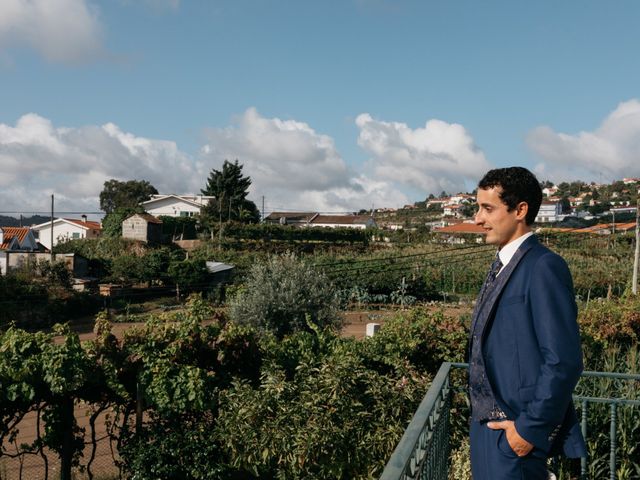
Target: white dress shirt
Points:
(507, 252)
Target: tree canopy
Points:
(230, 189)
(129, 194)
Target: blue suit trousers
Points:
(493, 459)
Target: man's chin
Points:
(490, 239)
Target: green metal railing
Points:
(423, 450)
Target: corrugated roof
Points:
(148, 217)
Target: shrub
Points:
(331, 416)
(281, 293)
(189, 274)
(608, 323)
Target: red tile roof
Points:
(20, 232)
(462, 228)
(9, 233)
(87, 224)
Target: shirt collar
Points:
(507, 252)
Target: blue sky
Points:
(330, 105)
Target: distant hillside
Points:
(6, 221)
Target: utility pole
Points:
(219, 200)
(51, 249)
(263, 208)
(634, 284)
(219, 223)
(613, 213)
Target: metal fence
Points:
(423, 451)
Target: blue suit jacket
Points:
(532, 353)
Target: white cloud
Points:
(294, 167)
(38, 159)
(610, 152)
(66, 31)
(440, 156)
(290, 163)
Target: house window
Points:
(186, 214)
(75, 235)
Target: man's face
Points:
(501, 225)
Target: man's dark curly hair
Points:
(518, 185)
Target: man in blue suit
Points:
(525, 356)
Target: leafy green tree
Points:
(129, 194)
(188, 274)
(182, 228)
(55, 273)
(283, 295)
(230, 189)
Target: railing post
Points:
(422, 452)
(66, 452)
(584, 460)
(612, 440)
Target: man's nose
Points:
(478, 218)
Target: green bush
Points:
(283, 294)
(266, 232)
(609, 323)
(188, 274)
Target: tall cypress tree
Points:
(230, 189)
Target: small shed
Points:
(142, 227)
(221, 275)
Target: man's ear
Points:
(521, 210)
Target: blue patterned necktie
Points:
(491, 276)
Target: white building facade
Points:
(549, 212)
(176, 205)
(65, 229)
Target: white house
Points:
(314, 219)
(290, 218)
(65, 229)
(345, 221)
(549, 212)
(176, 205)
(452, 210)
(15, 239)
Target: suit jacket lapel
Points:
(490, 300)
